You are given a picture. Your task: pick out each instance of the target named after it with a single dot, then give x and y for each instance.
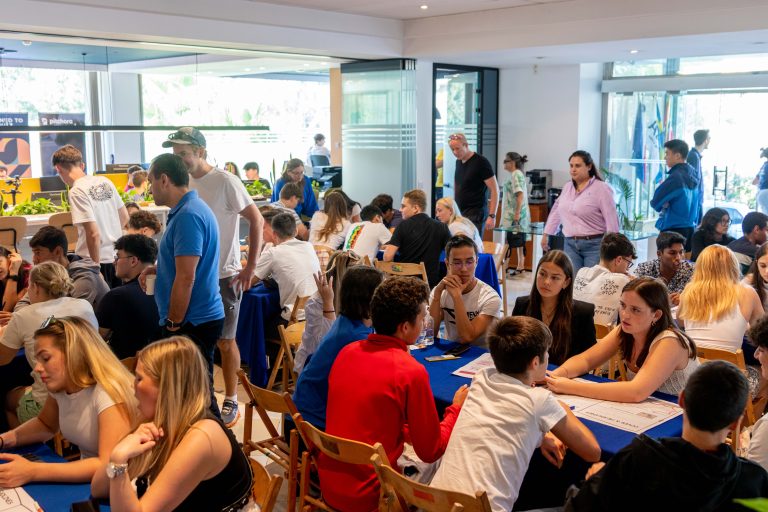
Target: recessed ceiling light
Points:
(634, 51)
(262, 68)
(26, 42)
(424, 7)
(247, 69)
(324, 63)
(759, 42)
(540, 57)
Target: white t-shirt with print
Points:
(480, 300)
(95, 199)
(20, 331)
(319, 219)
(500, 425)
(79, 417)
(599, 286)
(293, 265)
(758, 444)
(226, 196)
(366, 238)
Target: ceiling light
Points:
(633, 52)
(26, 42)
(424, 7)
(306, 65)
(262, 68)
(247, 69)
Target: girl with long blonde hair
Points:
(183, 457)
(715, 307)
(91, 402)
(447, 212)
(329, 226)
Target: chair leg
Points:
(278, 365)
(248, 429)
(293, 469)
(304, 482)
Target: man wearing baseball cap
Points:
(226, 196)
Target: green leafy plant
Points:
(65, 200)
(125, 196)
(35, 207)
(257, 188)
(759, 504)
(622, 186)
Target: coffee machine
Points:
(538, 181)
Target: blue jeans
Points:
(583, 253)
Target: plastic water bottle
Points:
(428, 332)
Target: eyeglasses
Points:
(123, 257)
(465, 264)
(725, 222)
(49, 321)
(629, 262)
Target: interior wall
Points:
(424, 114)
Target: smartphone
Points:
(91, 505)
(444, 357)
(457, 350)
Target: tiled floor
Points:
(516, 286)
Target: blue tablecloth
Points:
(444, 385)
(55, 497)
(259, 305)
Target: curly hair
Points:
(397, 300)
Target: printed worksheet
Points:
(470, 369)
(17, 500)
(635, 418)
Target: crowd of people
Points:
(123, 302)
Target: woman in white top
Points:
(49, 285)
(91, 401)
(447, 212)
(714, 306)
(757, 277)
(329, 226)
(658, 356)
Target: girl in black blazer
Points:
(551, 301)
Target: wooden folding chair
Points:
(130, 363)
(12, 231)
(399, 493)
(737, 358)
(396, 268)
(337, 448)
(266, 487)
(279, 363)
(284, 452)
(323, 255)
(498, 251)
(63, 221)
(290, 338)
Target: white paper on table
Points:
(470, 369)
(16, 499)
(635, 418)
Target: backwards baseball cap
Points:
(185, 135)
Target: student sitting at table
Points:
(758, 445)
(376, 388)
(14, 279)
(670, 265)
(757, 277)
(329, 226)
(291, 263)
(551, 301)
(697, 471)
(91, 402)
(49, 285)
(712, 230)
(143, 223)
(467, 305)
(352, 324)
(505, 419)
(447, 212)
(183, 457)
(418, 238)
(366, 238)
(659, 357)
(289, 200)
(601, 285)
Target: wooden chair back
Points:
(285, 452)
(298, 305)
(337, 448)
(396, 268)
(12, 231)
(290, 339)
(324, 254)
(601, 330)
(498, 251)
(400, 493)
(63, 221)
(130, 363)
(266, 487)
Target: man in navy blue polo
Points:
(187, 286)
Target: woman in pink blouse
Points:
(586, 211)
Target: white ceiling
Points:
(409, 9)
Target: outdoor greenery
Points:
(625, 205)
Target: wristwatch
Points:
(13, 277)
(171, 324)
(115, 470)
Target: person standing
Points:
(515, 212)
(473, 180)
(677, 197)
(187, 289)
(225, 195)
(97, 211)
(701, 140)
(761, 180)
(585, 210)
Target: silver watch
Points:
(115, 470)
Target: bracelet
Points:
(329, 311)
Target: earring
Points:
(653, 323)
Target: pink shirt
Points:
(589, 212)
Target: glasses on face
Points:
(725, 222)
(118, 257)
(49, 321)
(465, 264)
(629, 262)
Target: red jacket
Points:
(379, 393)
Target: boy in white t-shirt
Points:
(466, 305)
(504, 419)
(366, 238)
(602, 284)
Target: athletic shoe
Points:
(229, 412)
